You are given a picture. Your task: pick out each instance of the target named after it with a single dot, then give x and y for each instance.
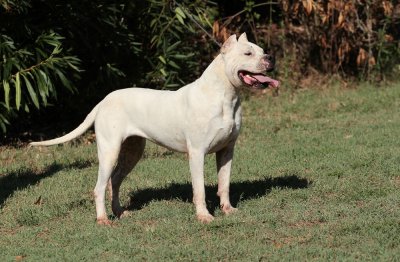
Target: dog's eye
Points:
(248, 53)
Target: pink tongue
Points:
(248, 80)
(266, 79)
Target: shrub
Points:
(32, 64)
(351, 38)
(46, 46)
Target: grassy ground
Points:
(316, 176)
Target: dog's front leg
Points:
(224, 162)
(196, 162)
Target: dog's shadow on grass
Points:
(18, 180)
(239, 191)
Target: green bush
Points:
(175, 45)
(47, 46)
(30, 73)
(33, 65)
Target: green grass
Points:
(316, 176)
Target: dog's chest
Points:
(224, 128)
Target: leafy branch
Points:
(32, 85)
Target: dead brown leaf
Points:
(308, 6)
(38, 201)
(20, 258)
(362, 56)
(387, 8)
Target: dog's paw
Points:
(103, 222)
(124, 214)
(205, 219)
(228, 209)
(121, 213)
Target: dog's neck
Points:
(214, 79)
(215, 82)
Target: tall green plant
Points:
(175, 29)
(31, 69)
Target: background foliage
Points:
(316, 177)
(65, 56)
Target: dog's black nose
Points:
(269, 57)
(269, 61)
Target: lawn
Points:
(316, 176)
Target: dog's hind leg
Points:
(131, 152)
(108, 152)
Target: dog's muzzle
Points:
(269, 62)
(260, 80)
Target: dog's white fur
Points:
(200, 118)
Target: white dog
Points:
(200, 118)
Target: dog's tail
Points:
(85, 125)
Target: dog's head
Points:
(246, 64)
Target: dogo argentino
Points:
(200, 118)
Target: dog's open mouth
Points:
(257, 80)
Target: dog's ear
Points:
(231, 41)
(243, 38)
